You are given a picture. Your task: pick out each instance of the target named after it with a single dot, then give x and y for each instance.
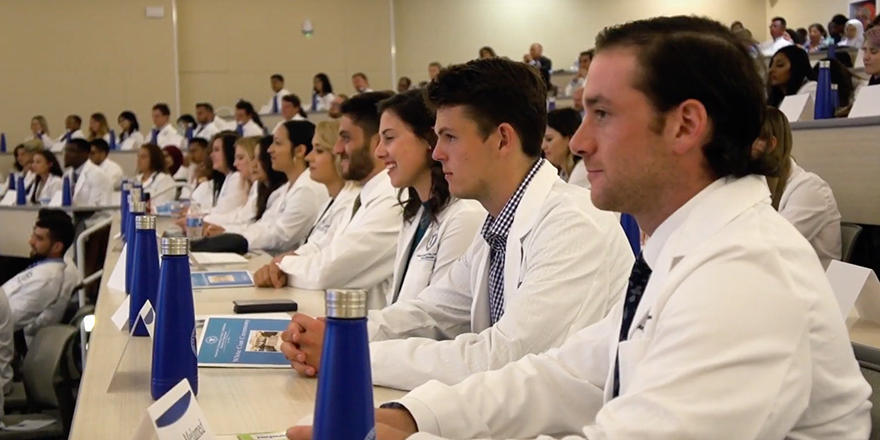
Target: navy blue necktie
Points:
(275, 104)
(239, 129)
(154, 138)
(638, 279)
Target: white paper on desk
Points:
(177, 415)
(206, 258)
(8, 199)
(120, 316)
(797, 107)
(868, 302)
(29, 425)
(867, 102)
(117, 277)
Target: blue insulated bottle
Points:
(145, 270)
(2, 142)
(134, 195)
(20, 192)
(66, 191)
(344, 404)
(123, 207)
(823, 109)
(174, 339)
(136, 208)
(112, 140)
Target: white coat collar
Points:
(534, 196)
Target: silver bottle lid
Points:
(137, 206)
(135, 193)
(824, 64)
(145, 222)
(346, 303)
(175, 246)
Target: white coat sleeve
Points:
(360, 256)
(562, 287)
(812, 210)
(284, 231)
(31, 298)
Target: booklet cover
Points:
(227, 278)
(242, 342)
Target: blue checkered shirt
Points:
(495, 232)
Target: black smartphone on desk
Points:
(263, 305)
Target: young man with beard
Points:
(361, 254)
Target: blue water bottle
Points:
(822, 109)
(112, 140)
(134, 195)
(11, 185)
(66, 193)
(125, 189)
(174, 338)
(145, 270)
(20, 192)
(189, 134)
(135, 209)
(344, 404)
(2, 142)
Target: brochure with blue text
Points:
(217, 279)
(239, 342)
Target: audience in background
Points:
(777, 37)
(322, 93)
(173, 158)
(245, 153)
(291, 110)
(561, 125)
(360, 83)
(47, 178)
(206, 123)
(40, 131)
(535, 58)
(434, 70)
(871, 51)
(817, 39)
(583, 69)
(163, 132)
(72, 125)
(276, 81)
(853, 34)
(153, 175)
(335, 110)
(247, 121)
(803, 198)
(24, 154)
(130, 137)
(790, 74)
(836, 27)
(234, 190)
(89, 184)
(98, 154)
(486, 52)
(404, 84)
(98, 128)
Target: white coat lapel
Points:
(480, 276)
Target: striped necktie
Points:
(638, 279)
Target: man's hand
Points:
(211, 230)
(270, 275)
(302, 343)
(278, 258)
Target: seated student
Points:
(72, 124)
(208, 184)
(871, 52)
(234, 187)
(40, 131)
(818, 39)
(509, 294)
(98, 128)
(404, 84)
(90, 185)
(163, 132)
(730, 329)
(37, 292)
(322, 93)
(196, 155)
(99, 156)
(206, 122)
(153, 175)
(803, 198)
(361, 253)
(276, 81)
(438, 228)
(790, 74)
(24, 155)
(325, 167)
(360, 83)
(129, 137)
(173, 158)
(291, 110)
(561, 125)
(186, 125)
(335, 110)
(247, 121)
(578, 80)
(853, 34)
(293, 207)
(245, 152)
(7, 349)
(47, 178)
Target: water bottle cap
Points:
(175, 246)
(145, 222)
(134, 191)
(126, 185)
(824, 64)
(346, 303)
(137, 206)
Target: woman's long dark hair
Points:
(275, 178)
(228, 138)
(249, 109)
(326, 87)
(157, 159)
(54, 169)
(132, 119)
(412, 109)
(800, 70)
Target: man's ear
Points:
(507, 136)
(691, 126)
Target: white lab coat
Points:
(167, 135)
(243, 215)
(113, 171)
(334, 213)
(361, 253)
(250, 128)
(203, 195)
(808, 203)
(182, 175)
(47, 141)
(92, 189)
(52, 186)
(286, 222)
(321, 103)
(558, 239)
(737, 336)
(445, 240)
(160, 187)
(206, 131)
(133, 141)
(296, 117)
(579, 175)
(233, 194)
(267, 109)
(58, 145)
(32, 291)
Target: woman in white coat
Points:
(130, 138)
(47, 180)
(561, 125)
(437, 228)
(216, 223)
(153, 176)
(40, 131)
(233, 193)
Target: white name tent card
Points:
(120, 316)
(867, 102)
(177, 415)
(117, 277)
(797, 107)
(855, 286)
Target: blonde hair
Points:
(103, 127)
(326, 135)
(249, 145)
(776, 126)
(44, 125)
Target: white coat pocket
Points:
(629, 356)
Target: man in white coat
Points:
(99, 156)
(163, 133)
(90, 185)
(509, 293)
(361, 252)
(272, 107)
(72, 124)
(207, 125)
(729, 328)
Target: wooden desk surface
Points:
(234, 400)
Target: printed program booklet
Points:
(217, 279)
(239, 342)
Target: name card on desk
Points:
(855, 286)
(797, 107)
(177, 416)
(117, 277)
(867, 102)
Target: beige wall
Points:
(228, 48)
(456, 29)
(61, 57)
